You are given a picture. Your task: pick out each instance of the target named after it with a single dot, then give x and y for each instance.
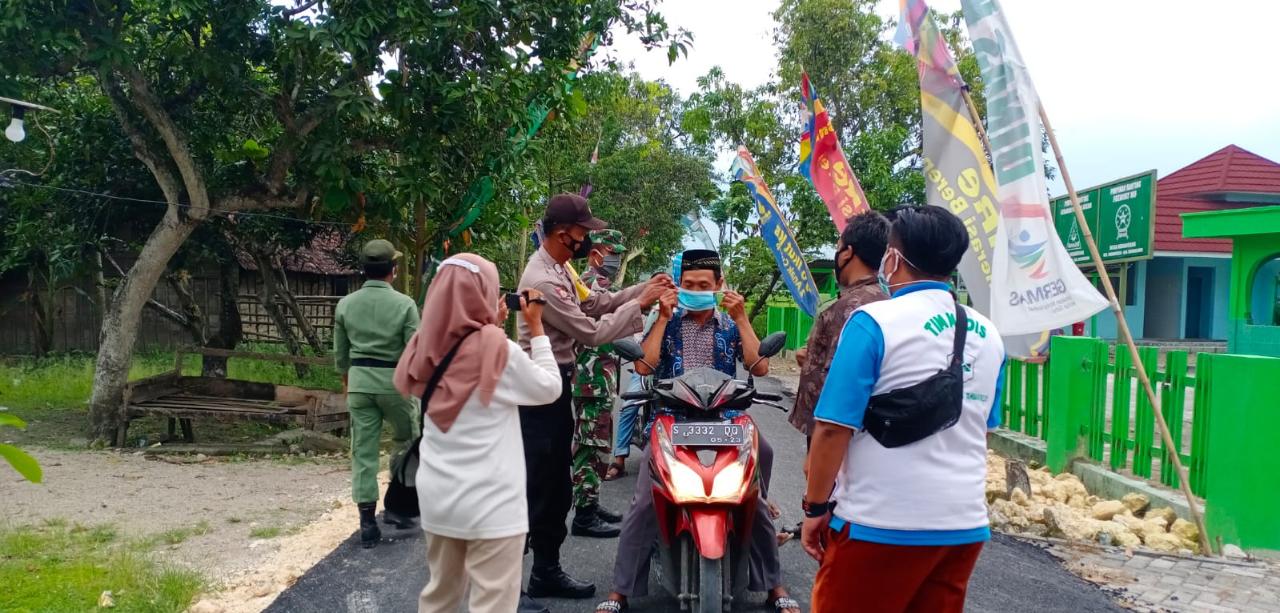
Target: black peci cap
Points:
(571, 209)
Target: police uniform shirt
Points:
(570, 322)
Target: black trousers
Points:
(548, 457)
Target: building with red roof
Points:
(1184, 290)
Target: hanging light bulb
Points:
(15, 132)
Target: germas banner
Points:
(1034, 284)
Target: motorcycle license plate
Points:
(707, 434)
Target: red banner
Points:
(823, 162)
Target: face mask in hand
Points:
(612, 264)
(698, 301)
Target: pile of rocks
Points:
(1060, 506)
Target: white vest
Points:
(936, 483)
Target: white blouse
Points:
(471, 480)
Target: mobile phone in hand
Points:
(513, 302)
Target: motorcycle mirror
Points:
(773, 344)
(628, 349)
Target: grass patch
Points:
(177, 536)
(265, 532)
(52, 394)
(60, 567)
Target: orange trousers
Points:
(857, 576)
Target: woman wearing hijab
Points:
(471, 479)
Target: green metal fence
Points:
(1108, 409)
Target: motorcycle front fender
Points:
(710, 529)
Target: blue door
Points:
(1199, 302)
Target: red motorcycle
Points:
(705, 484)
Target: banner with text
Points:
(822, 161)
(1034, 283)
(957, 177)
(777, 235)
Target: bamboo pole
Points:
(977, 119)
(1127, 336)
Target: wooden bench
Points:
(182, 398)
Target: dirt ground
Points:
(300, 509)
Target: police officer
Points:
(573, 316)
(371, 328)
(593, 392)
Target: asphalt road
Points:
(1012, 576)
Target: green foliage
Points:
(26, 465)
(61, 567)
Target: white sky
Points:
(1130, 85)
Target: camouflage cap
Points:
(609, 238)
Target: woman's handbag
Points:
(402, 493)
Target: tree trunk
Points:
(764, 298)
(291, 301)
(270, 298)
(120, 326)
(230, 327)
(42, 336)
(192, 315)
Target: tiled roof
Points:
(1198, 187)
(323, 256)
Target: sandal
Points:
(787, 535)
(616, 470)
(611, 606)
(786, 603)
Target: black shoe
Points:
(529, 605)
(592, 526)
(399, 521)
(369, 532)
(555, 583)
(607, 515)
(599, 511)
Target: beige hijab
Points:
(462, 301)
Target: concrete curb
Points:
(1097, 479)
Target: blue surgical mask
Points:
(698, 301)
(882, 275)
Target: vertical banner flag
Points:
(1034, 283)
(822, 161)
(956, 174)
(692, 223)
(776, 234)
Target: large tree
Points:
(246, 105)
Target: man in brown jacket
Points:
(858, 253)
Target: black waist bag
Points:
(909, 414)
(402, 491)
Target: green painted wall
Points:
(1242, 467)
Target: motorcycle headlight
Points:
(728, 483)
(685, 483)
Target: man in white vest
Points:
(897, 468)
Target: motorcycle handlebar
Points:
(768, 397)
(637, 396)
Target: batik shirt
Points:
(687, 345)
(822, 347)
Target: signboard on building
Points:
(1120, 216)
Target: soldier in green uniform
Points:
(593, 392)
(371, 328)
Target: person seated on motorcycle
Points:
(691, 333)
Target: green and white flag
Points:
(1034, 284)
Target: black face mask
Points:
(580, 248)
(840, 267)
